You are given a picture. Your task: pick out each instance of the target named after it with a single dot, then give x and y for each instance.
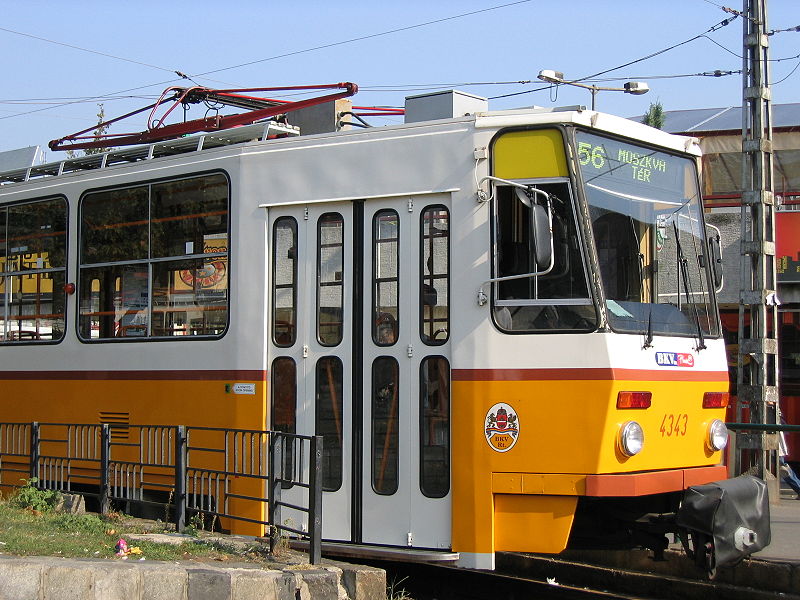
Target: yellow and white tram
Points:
(503, 324)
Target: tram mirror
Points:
(715, 252)
(542, 238)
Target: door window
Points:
(386, 278)
(434, 422)
(435, 275)
(385, 426)
(330, 279)
(328, 420)
(284, 274)
(284, 408)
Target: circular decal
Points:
(502, 427)
(209, 275)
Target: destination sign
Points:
(608, 159)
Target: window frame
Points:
(5, 301)
(377, 314)
(423, 423)
(575, 213)
(293, 284)
(289, 463)
(149, 261)
(395, 435)
(340, 405)
(432, 341)
(340, 283)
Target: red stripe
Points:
(204, 375)
(599, 374)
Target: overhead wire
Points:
(74, 47)
(711, 29)
(589, 78)
(198, 75)
(720, 25)
(789, 75)
(364, 37)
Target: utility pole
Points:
(757, 373)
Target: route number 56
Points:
(588, 154)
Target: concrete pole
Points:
(757, 379)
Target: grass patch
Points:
(31, 532)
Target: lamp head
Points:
(551, 76)
(637, 88)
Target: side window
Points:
(33, 247)
(154, 260)
(385, 428)
(385, 277)
(434, 422)
(557, 298)
(435, 275)
(283, 415)
(284, 282)
(330, 279)
(328, 420)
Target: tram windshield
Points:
(648, 230)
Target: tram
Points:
(503, 324)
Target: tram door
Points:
(310, 350)
(360, 355)
(406, 392)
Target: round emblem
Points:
(502, 427)
(209, 275)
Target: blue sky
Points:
(52, 89)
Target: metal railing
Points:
(213, 472)
(768, 427)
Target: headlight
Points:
(631, 438)
(717, 435)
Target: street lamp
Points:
(637, 88)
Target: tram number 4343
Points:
(674, 425)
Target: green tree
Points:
(655, 115)
(99, 131)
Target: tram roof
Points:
(530, 116)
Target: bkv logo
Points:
(501, 427)
(674, 359)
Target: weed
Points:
(29, 496)
(394, 592)
(168, 506)
(195, 524)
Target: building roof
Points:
(708, 120)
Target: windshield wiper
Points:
(648, 339)
(684, 270)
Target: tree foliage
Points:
(655, 116)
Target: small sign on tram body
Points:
(244, 388)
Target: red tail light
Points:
(634, 399)
(716, 400)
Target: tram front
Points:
(611, 399)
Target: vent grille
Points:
(118, 424)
